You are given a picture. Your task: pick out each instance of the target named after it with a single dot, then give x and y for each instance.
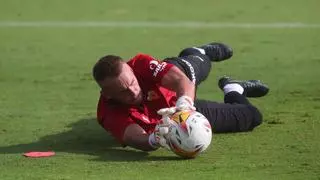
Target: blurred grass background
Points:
(48, 98)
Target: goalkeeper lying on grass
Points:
(133, 92)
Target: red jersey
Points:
(116, 117)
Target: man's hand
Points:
(159, 135)
(166, 113)
(184, 103)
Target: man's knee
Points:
(256, 117)
(189, 51)
(201, 66)
(247, 117)
(196, 67)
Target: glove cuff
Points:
(185, 99)
(185, 103)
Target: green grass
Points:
(48, 98)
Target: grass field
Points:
(48, 98)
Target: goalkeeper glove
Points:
(158, 137)
(184, 103)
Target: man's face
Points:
(124, 88)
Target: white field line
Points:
(149, 24)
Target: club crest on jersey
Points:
(156, 67)
(152, 95)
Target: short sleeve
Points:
(148, 67)
(114, 120)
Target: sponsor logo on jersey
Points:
(153, 64)
(156, 67)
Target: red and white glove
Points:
(166, 113)
(183, 103)
(158, 137)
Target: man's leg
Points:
(230, 117)
(195, 62)
(215, 51)
(197, 68)
(236, 114)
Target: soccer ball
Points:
(189, 134)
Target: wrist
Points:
(185, 99)
(153, 141)
(185, 103)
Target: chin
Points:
(137, 101)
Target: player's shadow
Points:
(85, 137)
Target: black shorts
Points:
(229, 117)
(196, 67)
(236, 114)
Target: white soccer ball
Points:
(189, 134)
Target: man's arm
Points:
(177, 81)
(137, 137)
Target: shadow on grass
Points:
(85, 137)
